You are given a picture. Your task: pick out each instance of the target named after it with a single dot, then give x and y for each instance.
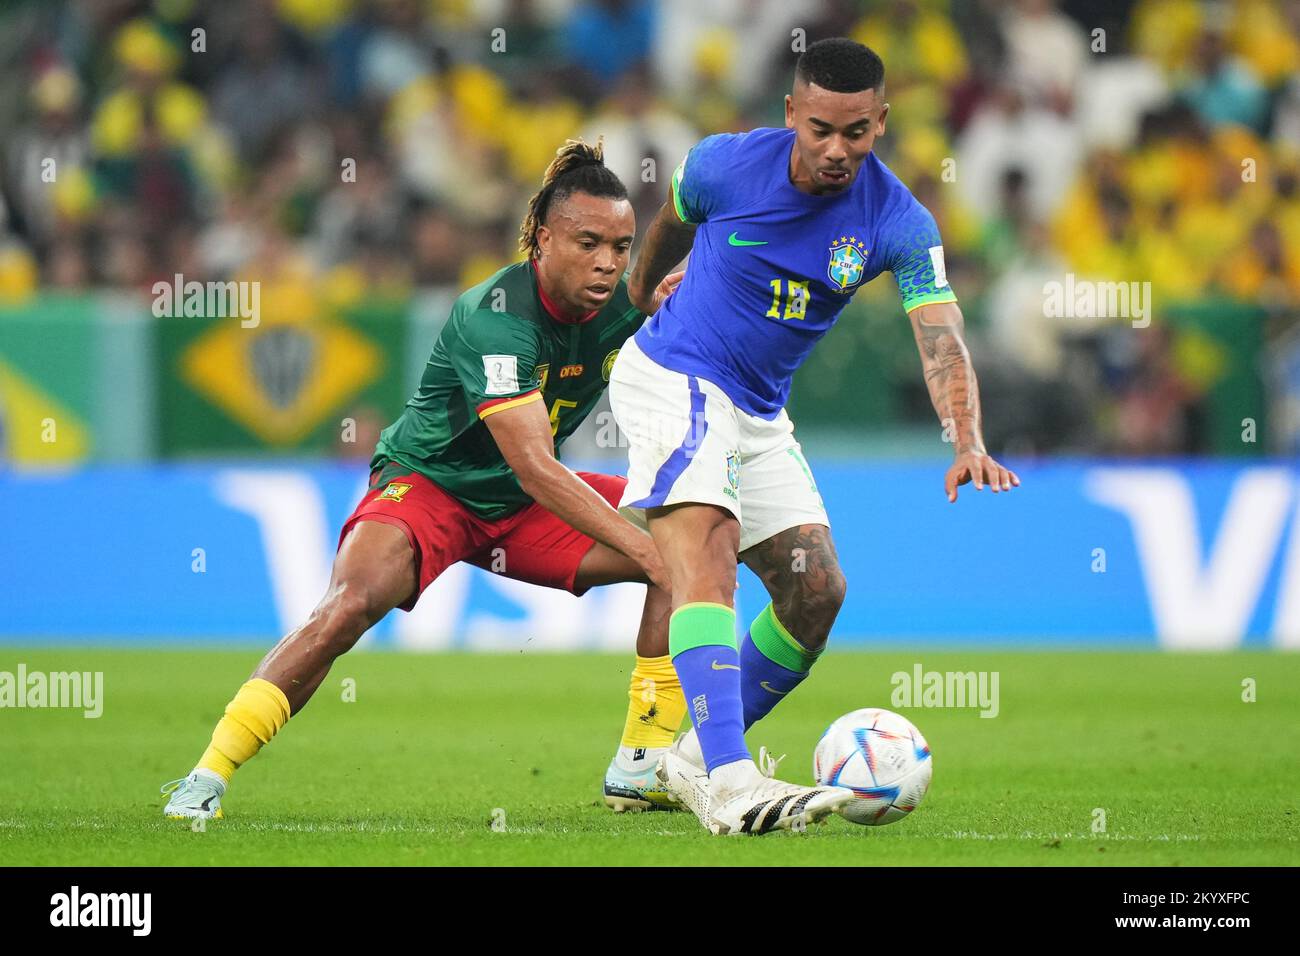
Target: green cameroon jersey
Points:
(503, 346)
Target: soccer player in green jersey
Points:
(469, 473)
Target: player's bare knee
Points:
(822, 585)
(349, 610)
(712, 564)
(823, 597)
(810, 604)
(834, 590)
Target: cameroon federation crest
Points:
(847, 262)
(395, 491)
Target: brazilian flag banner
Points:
(48, 382)
(291, 382)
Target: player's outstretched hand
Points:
(665, 288)
(653, 566)
(981, 469)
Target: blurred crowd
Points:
(348, 150)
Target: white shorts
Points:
(687, 442)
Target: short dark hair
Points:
(840, 65)
(576, 168)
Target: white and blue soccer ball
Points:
(882, 758)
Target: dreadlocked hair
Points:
(576, 168)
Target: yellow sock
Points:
(656, 704)
(252, 719)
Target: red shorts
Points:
(530, 545)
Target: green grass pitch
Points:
(414, 769)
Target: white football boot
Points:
(684, 765)
(745, 800)
(687, 746)
(687, 782)
(196, 796)
(755, 802)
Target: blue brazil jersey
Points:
(772, 266)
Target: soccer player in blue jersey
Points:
(783, 226)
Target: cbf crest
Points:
(847, 263)
(733, 474)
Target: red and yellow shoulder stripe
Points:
(494, 405)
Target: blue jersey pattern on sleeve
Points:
(700, 182)
(772, 267)
(914, 254)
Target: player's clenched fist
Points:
(981, 469)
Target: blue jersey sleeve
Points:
(701, 184)
(915, 257)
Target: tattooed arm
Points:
(954, 392)
(667, 242)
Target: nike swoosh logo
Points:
(724, 667)
(772, 690)
(732, 240)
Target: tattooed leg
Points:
(799, 568)
(802, 573)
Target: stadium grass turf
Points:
(413, 770)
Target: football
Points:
(881, 757)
